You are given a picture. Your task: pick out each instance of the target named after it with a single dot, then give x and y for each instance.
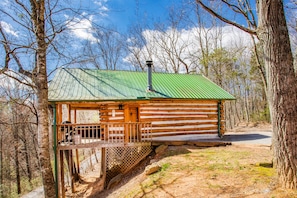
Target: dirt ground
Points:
(190, 171)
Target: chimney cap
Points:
(149, 62)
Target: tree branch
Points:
(9, 52)
(209, 10)
(6, 48)
(244, 9)
(18, 80)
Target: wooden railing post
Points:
(126, 133)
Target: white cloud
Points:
(104, 8)
(82, 28)
(8, 28)
(102, 4)
(234, 37)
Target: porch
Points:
(104, 134)
(120, 145)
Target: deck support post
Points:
(62, 179)
(77, 160)
(69, 159)
(55, 148)
(71, 171)
(103, 164)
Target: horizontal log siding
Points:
(181, 117)
(106, 113)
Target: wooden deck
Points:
(101, 144)
(110, 138)
(74, 136)
(108, 135)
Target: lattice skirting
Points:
(122, 159)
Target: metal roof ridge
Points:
(132, 71)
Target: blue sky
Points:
(126, 12)
(123, 13)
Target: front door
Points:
(133, 114)
(132, 131)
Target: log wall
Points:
(171, 117)
(181, 117)
(112, 113)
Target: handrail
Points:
(109, 132)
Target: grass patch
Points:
(165, 166)
(178, 150)
(262, 173)
(214, 170)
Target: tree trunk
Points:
(40, 80)
(282, 87)
(43, 129)
(27, 159)
(43, 126)
(16, 158)
(8, 177)
(1, 164)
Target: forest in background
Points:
(189, 42)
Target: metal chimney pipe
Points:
(149, 75)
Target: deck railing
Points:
(131, 132)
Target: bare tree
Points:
(171, 50)
(40, 24)
(18, 145)
(138, 47)
(208, 33)
(173, 44)
(272, 31)
(107, 51)
(163, 44)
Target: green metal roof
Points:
(100, 85)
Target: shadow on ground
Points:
(263, 138)
(244, 137)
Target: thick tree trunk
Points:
(43, 139)
(43, 123)
(43, 127)
(282, 88)
(40, 81)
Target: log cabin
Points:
(131, 110)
